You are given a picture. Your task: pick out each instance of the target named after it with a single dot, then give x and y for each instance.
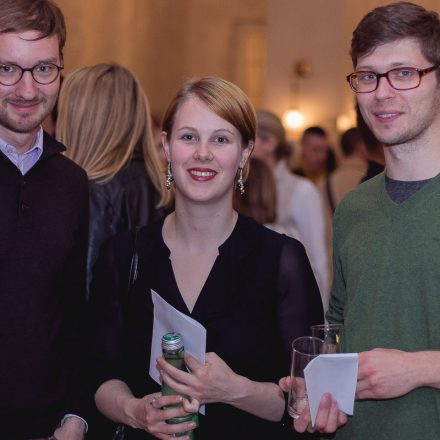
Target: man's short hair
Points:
(315, 130)
(395, 21)
(43, 16)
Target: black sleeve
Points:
(106, 312)
(299, 307)
(107, 218)
(300, 304)
(75, 306)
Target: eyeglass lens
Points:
(400, 79)
(10, 74)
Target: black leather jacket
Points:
(127, 201)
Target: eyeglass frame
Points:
(421, 72)
(31, 71)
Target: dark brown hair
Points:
(386, 24)
(42, 16)
(315, 131)
(349, 140)
(259, 200)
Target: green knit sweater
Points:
(386, 291)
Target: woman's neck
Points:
(199, 228)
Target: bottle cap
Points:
(172, 341)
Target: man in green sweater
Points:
(386, 287)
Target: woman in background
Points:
(299, 203)
(251, 288)
(104, 118)
(259, 201)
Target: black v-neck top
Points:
(259, 296)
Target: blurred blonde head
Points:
(104, 119)
(225, 99)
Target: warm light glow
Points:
(293, 119)
(344, 122)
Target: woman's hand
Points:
(73, 428)
(212, 382)
(147, 414)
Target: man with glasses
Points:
(43, 235)
(386, 287)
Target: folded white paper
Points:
(335, 374)
(168, 319)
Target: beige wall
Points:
(163, 41)
(251, 42)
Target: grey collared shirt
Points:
(24, 161)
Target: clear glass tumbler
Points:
(304, 349)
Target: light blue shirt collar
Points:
(24, 161)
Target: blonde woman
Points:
(253, 289)
(104, 118)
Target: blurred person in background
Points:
(259, 201)
(317, 158)
(374, 149)
(351, 169)
(104, 117)
(299, 203)
(343, 179)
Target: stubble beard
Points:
(408, 138)
(26, 122)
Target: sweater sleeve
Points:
(75, 306)
(335, 313)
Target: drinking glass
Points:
(331, 334)
(304, 349)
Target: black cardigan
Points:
(259, 296)
(43, 241)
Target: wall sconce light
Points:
(293, 118)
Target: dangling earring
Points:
(169, 177)
(240, 182)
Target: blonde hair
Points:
(104, 119)
(225, 99)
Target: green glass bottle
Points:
(173, 352)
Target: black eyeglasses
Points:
(43, 73)
(400, 78)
